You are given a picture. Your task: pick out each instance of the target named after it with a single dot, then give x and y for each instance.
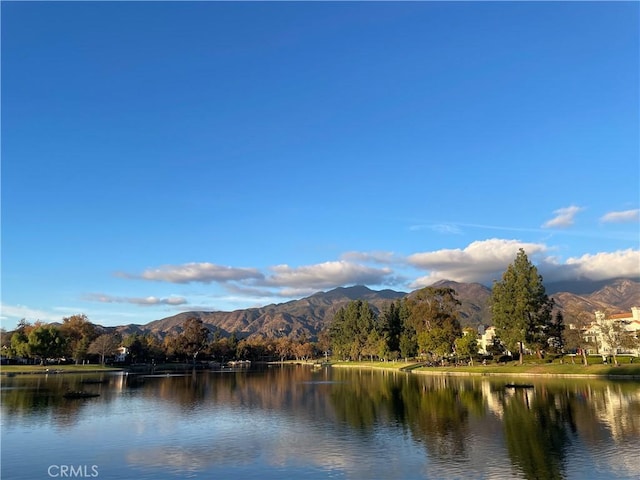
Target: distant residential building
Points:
(121, 354)
(628, 323)
(486, 339)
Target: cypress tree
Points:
(521, 309)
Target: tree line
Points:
(424, 324)
(78, 340)
(427, 324)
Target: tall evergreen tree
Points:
(391, 325)
(350, 329)
(521, 309)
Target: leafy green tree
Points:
(135, 346)
(350, 329)
(408, 342)
(434, 316)
(46, 341)
(232, 344)
(496, 347)
(284, 348)
(555, 333)
(338, 336)
(79, 332)
(194, 338)
(467, 345)
(171, 346)
(323, 344)
(373, 345)
(20, 340)
(520, 307)
(243, 350)
(390, 324)
(303, 349)
(5, 340)
(151, 347)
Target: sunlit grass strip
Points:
(546, 370)
(397, 365)
(627, 370)
(24, 369)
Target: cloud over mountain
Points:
(142, 301)
(203, 272)
(327, 274)
(481, 261)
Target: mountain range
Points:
(308, 316)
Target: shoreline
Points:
(530, 371)
(622, 372)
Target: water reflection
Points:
(285, 421)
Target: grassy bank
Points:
(39, 369)
(546, 369)
(398, 365)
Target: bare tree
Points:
(612, 335)
(577, 322)
(104, 345)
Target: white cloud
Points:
(197, 272)
(485, 261)
(374, 257)
(327, 274)
(142, 301)
(564, 217)
(444, 228)
(30, 314)
(626, 216)
(601, 266)
(481, 261)
(447, 228)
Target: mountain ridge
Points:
(307, 316)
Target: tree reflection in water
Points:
(338, 419)
(539, 425)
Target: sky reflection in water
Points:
(335, 423)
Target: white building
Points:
(486, 339)
(121, 354)
(605, 326)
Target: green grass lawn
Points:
(5, 369)
(397, 365)
(543, 369)
(510, 368)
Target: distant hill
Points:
(304, 317)
(309, 315)
(474, 299)
(615, 297)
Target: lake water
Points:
(296, 422)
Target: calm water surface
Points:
(295, 422)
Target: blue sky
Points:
(161, 157)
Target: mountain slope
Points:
(308, 316)
(615, 297)
(304, 317)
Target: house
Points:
(606, 327)
(121, 355)
(486, 339)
